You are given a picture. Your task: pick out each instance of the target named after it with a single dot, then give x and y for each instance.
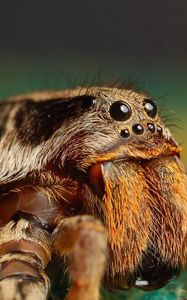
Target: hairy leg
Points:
(85, 239)
(24, 254)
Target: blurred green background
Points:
(59, 44)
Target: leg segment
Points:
(24, 254)
(85, 239)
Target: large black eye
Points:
(120, 111)
(150, 108)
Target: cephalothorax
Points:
(93, 177)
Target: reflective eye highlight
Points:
(151, 127)
(125, 133)
(159, 129)
(150, 108)
(120, 111)
(137, 129)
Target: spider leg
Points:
(84, 238)
(24, 254)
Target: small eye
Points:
(151, 127)
(159, 129)
(150, 108)
(82, 101)
(125, 133)
(120, 111)
(137, 129)
(87, 101)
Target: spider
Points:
(90, 179)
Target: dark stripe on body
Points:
(37, 121)
(4, 114)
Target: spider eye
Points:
(150, 108)
(87, 101)
(125, 133)
(138, 129)
(120, 111)
(84, 101)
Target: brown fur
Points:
(63, 159)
